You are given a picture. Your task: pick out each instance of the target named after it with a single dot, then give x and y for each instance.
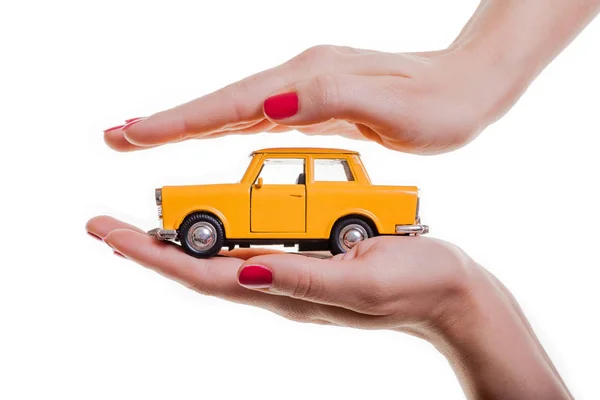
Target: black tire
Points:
(336, 240)
(209, 228)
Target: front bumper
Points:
(163, 234)
(417, 229)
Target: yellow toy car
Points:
(318, 199)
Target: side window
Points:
(283, 171)
(332, 170)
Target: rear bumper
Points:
(417, 229)
(163, 234)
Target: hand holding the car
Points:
(421, 286)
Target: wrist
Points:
(511, 42)
(496, 76)
(491, 346)
(475, 296)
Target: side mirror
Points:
(259, 183)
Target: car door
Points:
(278, 196)
(332, 190)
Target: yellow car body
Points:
(301, 211)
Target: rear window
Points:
(332, 170)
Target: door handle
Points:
(296, 195)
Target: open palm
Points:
(382, 283)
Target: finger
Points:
(336, 283)
(257, 127)
(245, 254)
(332, 127)
(216, 277)
(102, 225)
(172, 261)
(168, 259)
(237, 103)
(355, 98)
(279, 129)
(115, 139)
(242, 101)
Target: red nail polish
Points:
(132, 119)
(282, 105)
(114, 128)
(118, 254)
(95, 236)
(256, 276)
(126, 126)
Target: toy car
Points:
(318, 199)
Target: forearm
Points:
(514, 40)
(526, 33)
(493, 350)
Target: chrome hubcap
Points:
(202, 236)
(351, 235)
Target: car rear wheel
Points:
(201, 235)
(347, 233)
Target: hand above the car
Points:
(424, 103)
(384, 97)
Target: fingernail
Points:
(282, 105)
(95, 236)
(129, 124)
(114, 128)
(132, 119)
(116, 253)
(256, 277)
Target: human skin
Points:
(416, 285)
(423, 103)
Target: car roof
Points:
(303, 150)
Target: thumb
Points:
(323, 97)
(325, 281)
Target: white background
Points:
(77, 322)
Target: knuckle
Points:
(297, 312)
(460, 263)
(198, 288)
(236, 95)
(316, 53)
(238, 106)
(186, 125)
(373, 298)
(309, 285)
(325, 91)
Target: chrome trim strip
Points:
(163, 234)
(412, 229)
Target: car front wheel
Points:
(201, 235)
